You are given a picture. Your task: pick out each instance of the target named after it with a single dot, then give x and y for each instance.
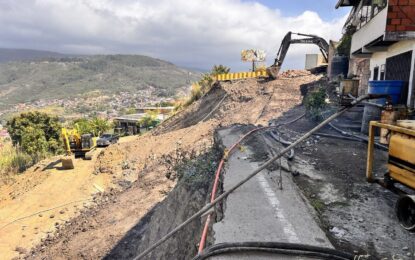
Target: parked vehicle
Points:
(107, 139)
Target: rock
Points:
(40, 215)
(405, 248)
(20, 250)
(52, 216)
(62, 212)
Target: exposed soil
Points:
(136, 175)
(357, 216)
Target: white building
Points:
(385, 34)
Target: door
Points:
(399, 68)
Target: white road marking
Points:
(288, 228)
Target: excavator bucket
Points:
(67, 162)
(273, 72)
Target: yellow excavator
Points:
(76, 146)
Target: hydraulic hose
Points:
(364, 139)
(219, 170)
(210, 205)
(284, 142)
(280, 248)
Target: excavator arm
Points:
(286, 43)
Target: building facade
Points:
(384, 33)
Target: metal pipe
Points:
(250, 176)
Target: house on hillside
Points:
(383, 33)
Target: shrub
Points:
(315, 103)
(149, 120)
(95, 126)
(12, 160)
(36, 130)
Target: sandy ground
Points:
(34, 209)
(148, 161)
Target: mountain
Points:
(48, 78)
(7, 55)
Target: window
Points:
(382, 72)
(375, 73)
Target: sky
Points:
(189, 33)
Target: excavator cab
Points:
(76, 146)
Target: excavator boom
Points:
(273, 71)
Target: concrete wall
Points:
(374, 29)
(313, 60)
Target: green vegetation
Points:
(204, 85)
(13, 160)
(315, 103)
(95, 126)
(35, 136)
(70, 77)
(166, 104)
(318, 205)
(36, 133)
(149, 120)
(346, 41)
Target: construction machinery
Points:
(76, 146)
(401, 167)
(274, 69)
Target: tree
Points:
(95, 126)
(100, 126)
(149, 120)
(34, 141)
(219, 69)
(31, 127)
(207, 81)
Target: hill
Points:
(7, 55)
(49, 78)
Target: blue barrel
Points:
(390, 87)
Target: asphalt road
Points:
(261, 211)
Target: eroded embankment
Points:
(144, 166)
(190, 195)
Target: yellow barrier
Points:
(241, 75)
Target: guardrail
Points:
(241, 75)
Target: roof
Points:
(131, 117)
(343, 3)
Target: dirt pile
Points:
(295, 73)
(142, 171)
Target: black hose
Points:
(365, 139)
(279, 248)
(284, 142)
(347, 138)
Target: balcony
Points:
(369, 37)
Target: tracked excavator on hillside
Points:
(76, 146)
(274, 69)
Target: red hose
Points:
(216, 182)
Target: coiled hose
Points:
(276, 248)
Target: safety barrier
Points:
(241, 75)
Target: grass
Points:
(12, 161)
(318, 205)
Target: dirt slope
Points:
(143, 168)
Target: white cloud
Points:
(195, 33)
